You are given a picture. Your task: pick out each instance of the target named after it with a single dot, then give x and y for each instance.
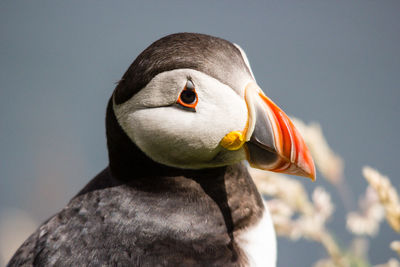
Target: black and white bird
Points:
(179, 125)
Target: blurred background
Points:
(333, 62)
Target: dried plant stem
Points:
(331, 248)
(346, 195)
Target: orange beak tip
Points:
(312, 176)
(307, 172)
(307, 168)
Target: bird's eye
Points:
(188, 96)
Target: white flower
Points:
(395, 245)
(387, 195)
(367, 220)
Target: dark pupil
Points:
(188, 96)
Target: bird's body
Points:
(194, 219)
(176, 193)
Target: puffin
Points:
(183, 125)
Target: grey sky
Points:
(334, 62)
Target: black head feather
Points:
(211, 55)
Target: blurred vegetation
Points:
(297, 215)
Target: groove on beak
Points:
(273, 143)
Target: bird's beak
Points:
(270, 139)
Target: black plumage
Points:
(211, 55)
(137, 212)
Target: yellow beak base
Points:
(233, 140)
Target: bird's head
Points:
(190, 101)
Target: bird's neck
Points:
(126, 160)
(230, 188)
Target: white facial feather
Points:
(176, 137)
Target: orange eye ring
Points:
(188, 97)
